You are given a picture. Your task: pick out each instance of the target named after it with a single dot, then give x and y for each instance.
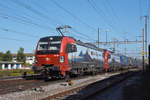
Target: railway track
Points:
(84, 92)
(13, 84)
(35, 76)
(10, 78)
(19, 83)
(54, 87)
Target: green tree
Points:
(1, 56)
(21, 57)
(7, 56)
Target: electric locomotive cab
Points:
(52, 55)
(48, 54)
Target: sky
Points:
(24, 22)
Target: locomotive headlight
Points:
(47, 59)
(61, 59)
(35, 61)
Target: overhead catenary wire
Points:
(17, 32)
(83, 35)
(30, 18)
(112, 10)
(78, 32)
(71, 14)
(13, 9)
(8, 38)
(79, 37)
(114, 15)
(29, 21)
(100, 12)
(22, 20)
(71, 29)
(109, 13)
(57, 21)
(5, 16)
(37, 12)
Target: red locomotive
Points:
(61, 55)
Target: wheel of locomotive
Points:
(44, 74)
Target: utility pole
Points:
(98, 37)
(106, 35)
(149, 57)
(146, 18)
(114, 46)
(143, 61)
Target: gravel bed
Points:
(45, 91)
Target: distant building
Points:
(4, 65)
(30, 58)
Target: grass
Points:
(16, 72)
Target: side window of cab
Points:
(71, 48)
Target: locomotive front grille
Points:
(51, 67)
(48, 60)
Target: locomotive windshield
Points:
(49, 45)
